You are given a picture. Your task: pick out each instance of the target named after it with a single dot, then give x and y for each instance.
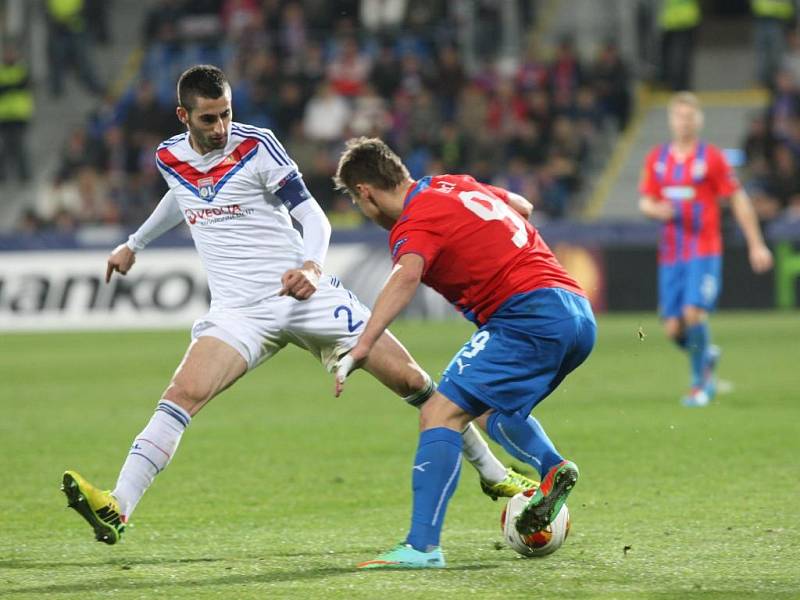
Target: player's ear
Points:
(183, 115)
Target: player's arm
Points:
(649, 191)
(166, 215)
(394, 297)
(760, 256)
(302, 282)
(520, 204)
(514, 200)
(654, 209)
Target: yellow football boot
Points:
(98, 507)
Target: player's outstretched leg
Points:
(209, 366)
(526, 440)
(99, 508)
(149, 454)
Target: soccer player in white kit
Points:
(236, 188)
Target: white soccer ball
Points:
(539, 543)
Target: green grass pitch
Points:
(278, 489)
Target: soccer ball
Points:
(539, 543)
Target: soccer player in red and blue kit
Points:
(473, 244)
(681, 185)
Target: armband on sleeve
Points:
(293, 191)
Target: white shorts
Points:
(328, 324)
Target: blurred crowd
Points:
(317, 72)
(772, 142)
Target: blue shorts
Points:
(696, 282)
(522, 353)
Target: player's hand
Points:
(347, 364)
(760, 258)
(121, 260)
(301, 283)
(663, 211)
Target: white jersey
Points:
(242, 231)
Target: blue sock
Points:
(524, 439)
(434, 478)
(680, 342)
(697, 345)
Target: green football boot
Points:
(548, 499)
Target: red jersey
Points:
(693, 186)
(478, 251)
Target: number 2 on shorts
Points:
(351, 327)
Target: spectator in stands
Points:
(293, 35)
(237, 16)
(425, 120)
(349, 69)
(164, 13)
(69, 45)
(532, 73)
(383, 16)
(779, 190)
(678, 22)
(566, 73)
(451, 149)
(385, 73)
(785, 104)
(370, 115)
(772, 20)
(450, 79)
(305, 69)
(145, 121)
(327, 115)
(414, 75)
(790, 61)
(612, 82)
(16, 111)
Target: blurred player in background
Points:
(681, 185)
(236, 188)
(473, 244)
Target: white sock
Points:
(150, 454)
(477, 452)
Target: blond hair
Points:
(687, 98)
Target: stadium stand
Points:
(320, 72)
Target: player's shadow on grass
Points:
(117, 562)
(272, 576)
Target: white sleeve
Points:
(316, 230)
(164, 217)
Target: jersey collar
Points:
(416, 189)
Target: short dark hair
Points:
(369, 160)
(207, 81)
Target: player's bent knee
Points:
(418, 387)
(189, 397)
(673, 328)
(692, 315)
(439, 411)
